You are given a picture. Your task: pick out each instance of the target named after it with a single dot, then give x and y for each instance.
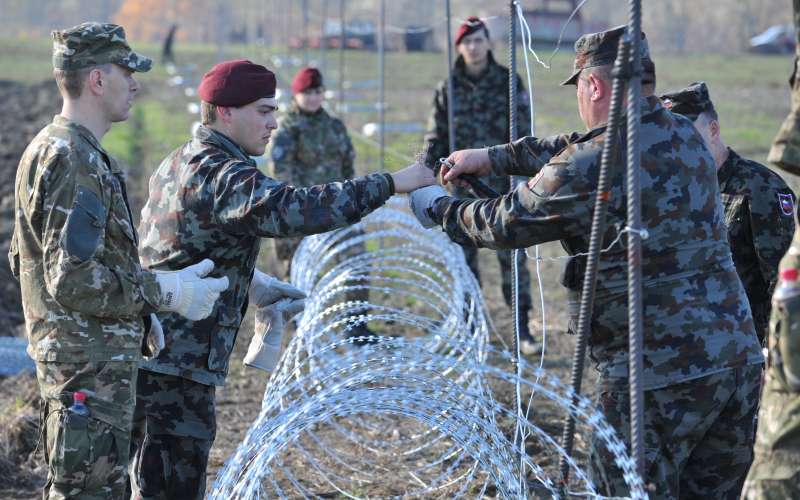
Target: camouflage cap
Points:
(91, 44)
(689, 102)
(600, 49)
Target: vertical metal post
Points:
(635, 315)
(382, 78)
(451, 127)
(323, 43)
(305, 33)
(342, 36)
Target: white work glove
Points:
(153, 338)
(188, 292)
(265, 347)
(266, 290)
(422, 202)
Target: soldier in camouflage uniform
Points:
(759, 206)
(312, 147)
(702, 359)
(775, 473)
(84, 293)
(209, 200)
(480, 112)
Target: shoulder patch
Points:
(787, 204)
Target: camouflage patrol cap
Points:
(690, 102)
(91, 44)
(600, 49)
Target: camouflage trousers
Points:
(698, 436)
(504, 257)
(87, 457)
(174, 427)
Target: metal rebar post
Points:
(342, 35)
(451, 129)
(382, 84)
(635, 315)
(608, 165)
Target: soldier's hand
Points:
(412, 177)
(189, 292)
(422, 202)
(265, 347)
(266, 290)
(466, 161)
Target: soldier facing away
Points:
(87, 301)
(759, 206)
(775, 473)
(312, 147)
(209, 200)
(702, 360)
(480, 113)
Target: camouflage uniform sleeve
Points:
(526, 156)
(772, 226)
(553, 205)
(437, 137)
(248, 202)
(282, 162)
(78, 257)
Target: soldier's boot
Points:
(528, 345)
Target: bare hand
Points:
(412, 177)
(466, 161)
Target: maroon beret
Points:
(306, 78)
(470, 26)
(236, 83)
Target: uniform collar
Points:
(294, 108)
(211, 137)
(460, 68)
(728, 167)
(89, 137)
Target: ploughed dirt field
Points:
(23, 111)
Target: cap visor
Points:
(572, 80)
(137, 62)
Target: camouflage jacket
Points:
(759, 214)
(480, 112)
(785, 151)
(208, 200)
(74, 251)
(697, 320)
(311, 148)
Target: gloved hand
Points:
(153, 338)
(422, 202)
(188, 292)
(266, 290)
(265, 347)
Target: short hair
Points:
(606, 73)
(208, 113)
(70, 82)
(710, 115)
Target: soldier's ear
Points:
(94, 81)
(714, 128)
(224, 114)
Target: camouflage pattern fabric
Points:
(208, 200)
(310, 149)
(698, 436)
(178, 417)
(87, 456)
(759, 210)
(92, 44)
(777, 451)
(481, 119)
(785, 152)
(696, 314)
(74, 251)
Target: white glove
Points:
(422, 202)
(188, 292)
(266, 290)
(154, 338)
(265, 347)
